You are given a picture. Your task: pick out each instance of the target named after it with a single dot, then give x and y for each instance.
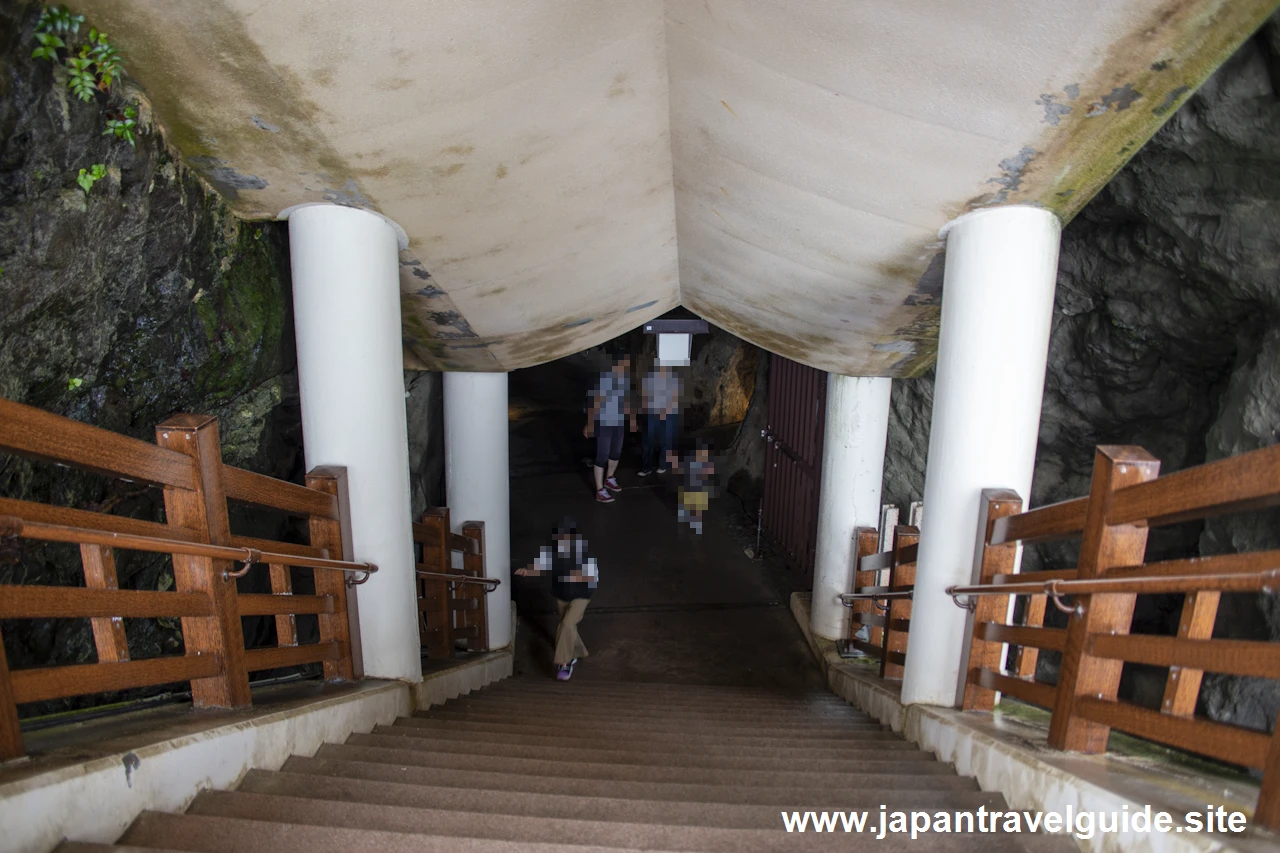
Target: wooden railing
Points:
(884, 585)
(451, 602)
(186, 462)
(1126, 499)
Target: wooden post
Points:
(204, 511)
(108, 631)
(897, 624)
(435, 617)
(10, 733)
(286, 623)
(1267, 812)
(473, 565)
(996, 560)
(1182, 686)
(866, 540)
(1103, 546)
(334, 535)
(1025, 665)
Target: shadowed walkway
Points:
(671, 607)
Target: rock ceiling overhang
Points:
(566, 171)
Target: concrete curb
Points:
(1014, 761)
(96, 799)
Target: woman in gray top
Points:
(610, 410)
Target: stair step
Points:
(93, 847)
(597, 690)
(728, 815)
(392, 738)
(205, 834)
(358, 750)
(516, 828)
(728, 705)
(358, 766)
(208, 834)
(745, 747)
(640, 714)
(625, 729)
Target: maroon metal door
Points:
(793, 460)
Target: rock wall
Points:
(425, 410)
(143, 297)
(1165, 335)
(140, 298)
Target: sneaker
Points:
(604, 497)
(645, 472)
(662, 470)
(612, 484)
(566, 670)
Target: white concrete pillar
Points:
(852, 471)
(477, 481)
(997, 306)
(346, 305)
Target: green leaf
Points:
(74, 384)
(88, 177)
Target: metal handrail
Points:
(490, 583)
(14, 526)
(847, 598)
(1266, 580)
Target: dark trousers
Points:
(609, 444)
(659, 438)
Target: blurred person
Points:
(611, 409)
(695, 492)
(660, 395)
(574, 575)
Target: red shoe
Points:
(604, 497)
(612, 484)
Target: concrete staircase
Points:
(539, 766)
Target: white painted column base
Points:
(477, 479)
(997, 307)
(852, 471)
(346, 305)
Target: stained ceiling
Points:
(568, 169)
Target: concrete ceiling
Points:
(568, 169)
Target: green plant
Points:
(105, 58)
(80, 77)
(122, 124)
(59, 19)
(48, 49)
(88, 177)
(93, 67)
(73, 384)
(54, 24)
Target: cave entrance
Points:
(671, 606)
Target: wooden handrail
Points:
(1043, 524)
(60, 602)
(1126, 498)
(451, 605)
(30, 511)
(269, 493)
(37, 434)
(186, 461)
(1266, 580)
(153, 544)
(887, 629)
(1239, 483)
